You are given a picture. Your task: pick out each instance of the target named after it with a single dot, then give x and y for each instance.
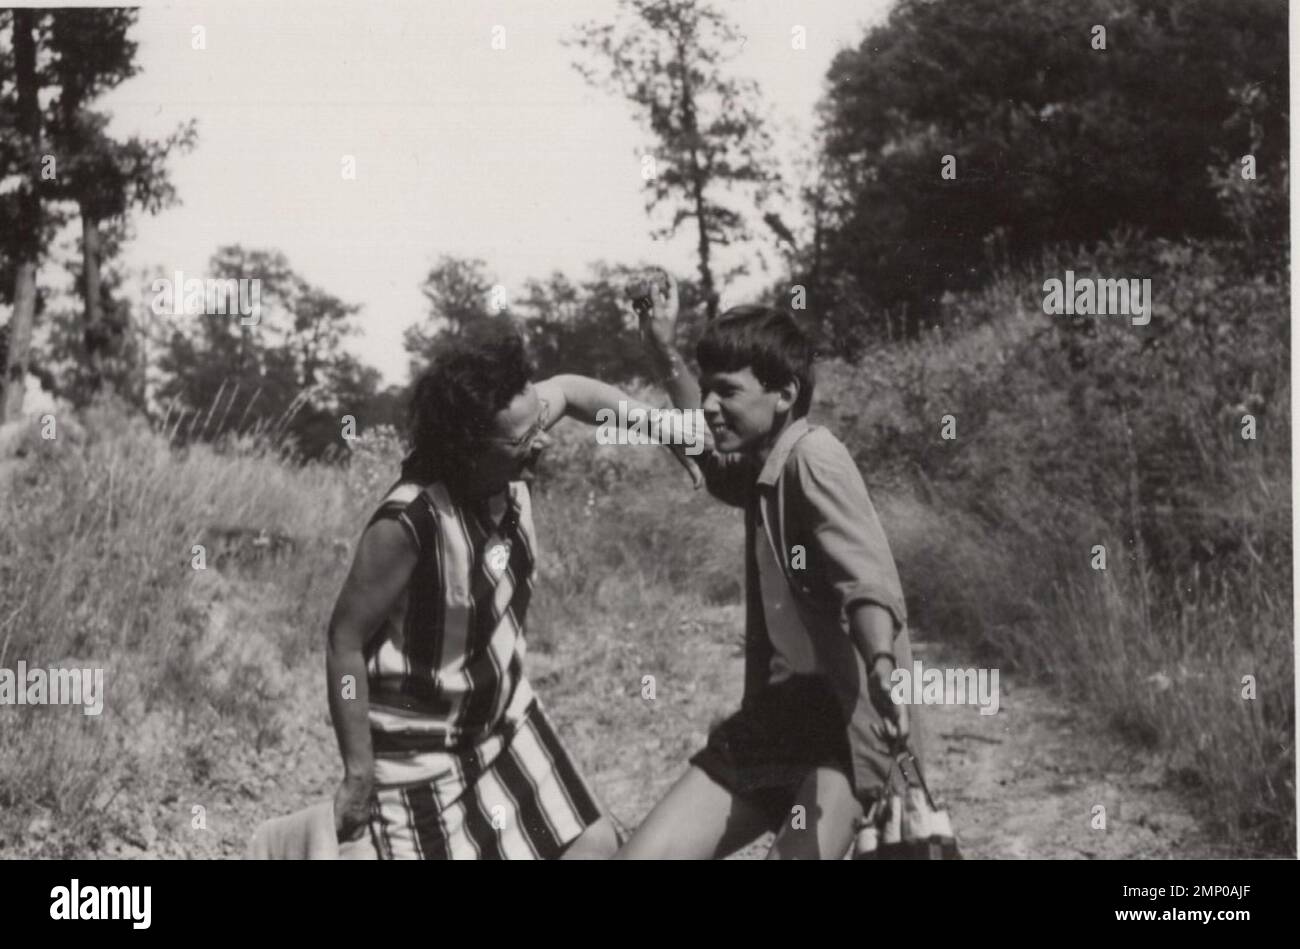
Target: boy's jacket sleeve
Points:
(848, 545)
(727, 476)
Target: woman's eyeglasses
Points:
(523, 441)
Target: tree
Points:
(583, 327)
(668, 58)
(66, 366)
(459, 294)
(286, 373)
(1052, 139)
(586, 327)
(91, 54)
(24, 245)
(63, 156)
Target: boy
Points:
(825, 624)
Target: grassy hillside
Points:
(1075, 432)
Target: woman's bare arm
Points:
(380, 571)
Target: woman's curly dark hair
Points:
(473, 377)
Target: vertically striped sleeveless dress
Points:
(467, 765)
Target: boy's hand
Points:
(654, 298)
(895, 726)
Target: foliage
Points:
(283, 370)
(82, 54)
(1054, 141)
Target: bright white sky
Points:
(460, 149)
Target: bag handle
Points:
(905, 753)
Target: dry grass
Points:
(96, 571)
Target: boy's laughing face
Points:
(741, 413)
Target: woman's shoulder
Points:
(412, 504)
(398, 497)
(404, 492)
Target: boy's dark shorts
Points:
(765, 751)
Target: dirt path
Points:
(1025, 781)
(1021, 783)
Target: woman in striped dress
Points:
(447, 752)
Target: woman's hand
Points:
(687, 462)
(352, 802)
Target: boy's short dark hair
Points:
(473, 377)
(765, 340)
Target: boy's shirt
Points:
(814, 550)
(792, 642)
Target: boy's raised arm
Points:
(657, 314)
(727, 476)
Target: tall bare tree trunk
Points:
(691, 127)
(20, 342)
(94, 333)
(706, 271)
(28, 224)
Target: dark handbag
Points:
(906, 825)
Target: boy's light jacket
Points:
(810, 494)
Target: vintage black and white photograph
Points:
(646, 429)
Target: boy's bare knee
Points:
(642, 846)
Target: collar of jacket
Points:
(781, 451)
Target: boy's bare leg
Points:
(829, 815)
(597, 842)
(697, 820)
